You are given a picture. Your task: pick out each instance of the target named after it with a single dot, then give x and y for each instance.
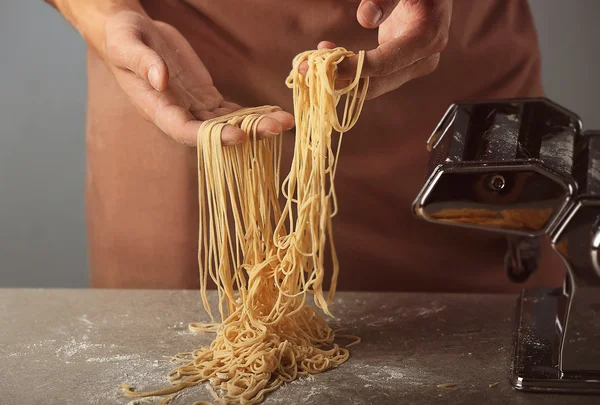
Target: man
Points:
(156, 69)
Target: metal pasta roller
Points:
(524, 167)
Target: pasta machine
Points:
(526, 168)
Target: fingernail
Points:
(154, 77)
(371, 13)
(270, 133)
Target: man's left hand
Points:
(412, 34)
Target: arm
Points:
(89, 17)
(140, 53)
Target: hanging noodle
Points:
(264, 258)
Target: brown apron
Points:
(141, 187)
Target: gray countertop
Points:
(78, 346)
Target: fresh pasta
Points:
(266, 258)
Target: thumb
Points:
(326, 45)
(371, 13)
(127, 50)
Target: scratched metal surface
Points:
(77, 346)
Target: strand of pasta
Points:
(263, 258)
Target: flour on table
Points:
(378, 375)
(107, 359)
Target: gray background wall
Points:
(42, 121)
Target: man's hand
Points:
(168, 83)
(412, 34)
(158, 69)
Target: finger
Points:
(381, 85)
(371, 13)
(232, 135)
(126, 49)
(326, 45)
(339, 84)
(268, 127)
(182, 126)
(284, 118)
(303, 68)
(231, 106)
(274, 123)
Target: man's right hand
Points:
(164, 77)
